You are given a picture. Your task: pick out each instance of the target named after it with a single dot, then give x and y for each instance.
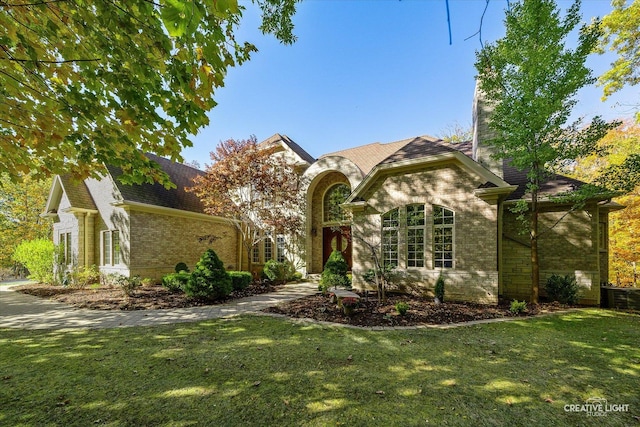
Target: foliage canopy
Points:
(86, 82)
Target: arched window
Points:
(332, 201)
(415, 235)
(390, 229)
(443, 225)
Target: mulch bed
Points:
(144, 298)
(369, 312)
(421, 311)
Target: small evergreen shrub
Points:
(180, 267)
(402, 308)
(278, 272)
(37, 256)
(209, 279)
(335, 272)
(240, 279)
(439, 289)
(563, 289)
(518, 307)
(175, 282)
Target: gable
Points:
(76, 192)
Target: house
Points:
(427, 207)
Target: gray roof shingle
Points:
(156, 195)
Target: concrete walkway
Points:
(28, 312)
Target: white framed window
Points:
(280, 249)
(390, 239)
(110, 247)
(255, 255)
(443, 237)
(415, 235)
(65, 242)
(268, 248)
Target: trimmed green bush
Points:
(209, 279)
(180, 267)
(563, 289)
(518, 307)
(37, 256)
(278, 272)
(335, 272)
(402, 308)
(175, 282)
(240, 279)
(439, 289)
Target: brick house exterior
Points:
(428, 207)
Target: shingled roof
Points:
(155, 194)
(77, 193)
(366, 157)
(292, 144)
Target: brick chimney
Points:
(481, 132)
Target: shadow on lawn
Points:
(264, 371)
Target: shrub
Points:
(518, 307)
(335, 272)
(402, 308)
(240, 279)
(37, 256)
(563, 289)
(81, 277)
(295, 277)
(180, 267)
(439, 289)
(278, 272)
(175, 282)
(209, 279)
(127, 284)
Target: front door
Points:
(336, 239)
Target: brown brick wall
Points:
(475, 276)
(159, 242)
(568, 244)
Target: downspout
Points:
(500, 263)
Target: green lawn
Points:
(262, 371)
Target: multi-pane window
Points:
(65, 242)
(443, 224)
(111, 247)
(280, 249)
(268, 248)
(255, 257)
(415, 235)
(333, 198)
(390, 228)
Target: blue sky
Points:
(366, 71)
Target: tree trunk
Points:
(535, 261)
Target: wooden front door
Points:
(336, 239)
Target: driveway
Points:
(28, 312)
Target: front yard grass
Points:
(265, 371)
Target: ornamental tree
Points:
(532, 77)
(255, 188)
(85, 82)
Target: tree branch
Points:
(38, 3)
(40, 61)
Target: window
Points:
(280, 249)
(443, 222)
(332, 212)
(255, 258)
(65, 242)
(415, 235)
(390, 227)
(268, 248)
(111, 247)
